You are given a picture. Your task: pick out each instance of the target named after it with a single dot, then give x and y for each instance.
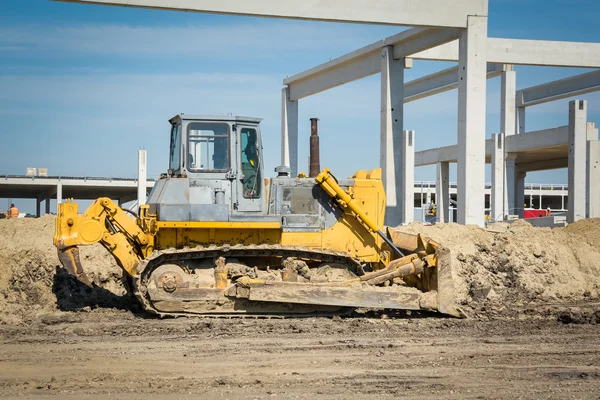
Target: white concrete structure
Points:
(444, 30)
(407, 171)
(388, 12)
(442, 192)
(289, 132)
(439, 23)
(59, 188)
(572, 146)
(497, 210)
(593, 178)
(535, 196)
(471, 120)
(392, 136)
(551, 91)
(479, 58)
(577, 160)
(142, 185)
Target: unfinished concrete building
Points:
(455, 31)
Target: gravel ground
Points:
(112, 354)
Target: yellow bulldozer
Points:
(215, 237)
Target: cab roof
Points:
(220, 118)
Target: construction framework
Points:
(455, 31)
(391, 56)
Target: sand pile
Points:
(31, 282)
(522, 264)
(492, 271)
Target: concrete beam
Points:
(440, 82)
(561, 89)
(471, 122)
(577, 160)
(433, 156)
(516, 143)
(545, 165)
(365, 61)
(525, 52)
(388, 12)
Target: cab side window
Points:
(208, 146)
(252, 181)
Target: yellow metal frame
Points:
(219, 225)
(134, 240)
(129, 244)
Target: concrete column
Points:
(47, 201)
(520, 193)
(59, 195)
(442, 192)
(498, 182)
(289, 132)
(471, 121)
(577, 160)
(391, 135)
(511, 206)
(592, 131)
(142, 175)
(508, 111)
(521, 120)
(407, 169)
(38, 208)
(593, 179)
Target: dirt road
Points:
(114, 354)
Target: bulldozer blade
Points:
(445, 286)
(69, 258)
(436, 280)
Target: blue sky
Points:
(83, 87)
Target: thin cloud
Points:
(259, 40)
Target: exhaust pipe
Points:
(315, 157)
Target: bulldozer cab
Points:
(222, 154)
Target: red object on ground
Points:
(531, 213)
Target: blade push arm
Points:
(105, 222)
(348, 203)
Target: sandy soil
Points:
(112, 354)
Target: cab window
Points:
(174, 153)
(252, 181)
(208, 146)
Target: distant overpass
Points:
(44, 188)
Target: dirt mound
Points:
(32, 283)
(494, 271)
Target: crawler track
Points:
(145, 268)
